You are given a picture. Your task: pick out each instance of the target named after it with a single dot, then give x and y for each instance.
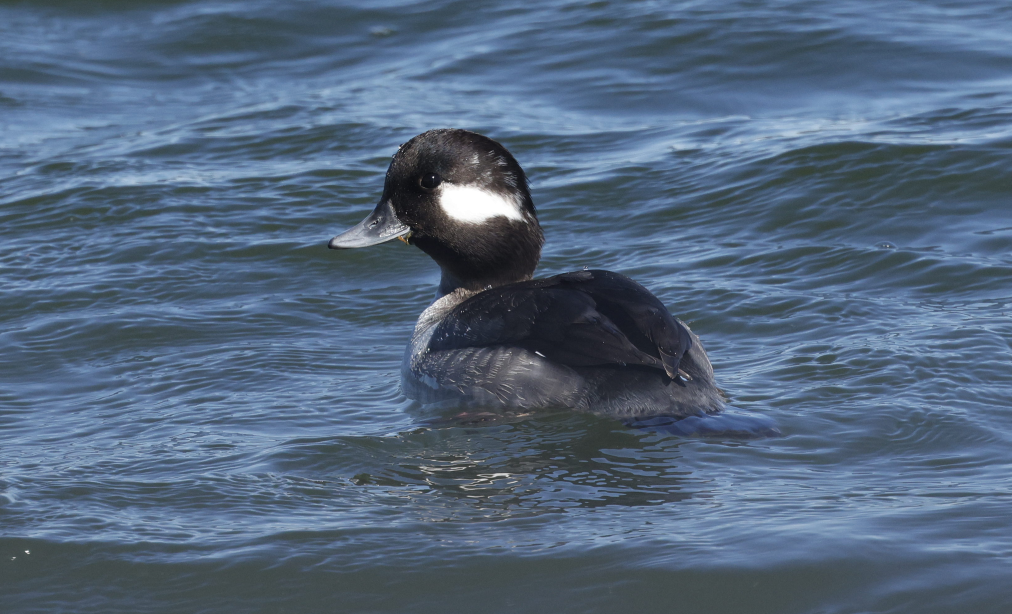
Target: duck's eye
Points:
(430, 181)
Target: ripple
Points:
(200, 403)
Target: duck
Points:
(497, 338)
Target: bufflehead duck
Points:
(589, 340)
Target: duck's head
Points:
(464, 200)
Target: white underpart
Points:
(473, 205)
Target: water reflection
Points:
(509, 468)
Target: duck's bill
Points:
(380, 226)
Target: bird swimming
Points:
(495, 337)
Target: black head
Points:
(464, 200)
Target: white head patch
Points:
(473, 205)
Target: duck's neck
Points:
(449, 283)
(502, 252)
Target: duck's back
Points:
(590, 340)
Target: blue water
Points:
(200, 407)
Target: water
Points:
(199, 403)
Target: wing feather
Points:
(585, 318)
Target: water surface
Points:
(200, 406)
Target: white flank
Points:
(473, 205)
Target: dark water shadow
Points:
(728, 424)
(732, 423)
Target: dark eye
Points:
(430, 181)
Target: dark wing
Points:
(580, 319)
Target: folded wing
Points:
(580, 319)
